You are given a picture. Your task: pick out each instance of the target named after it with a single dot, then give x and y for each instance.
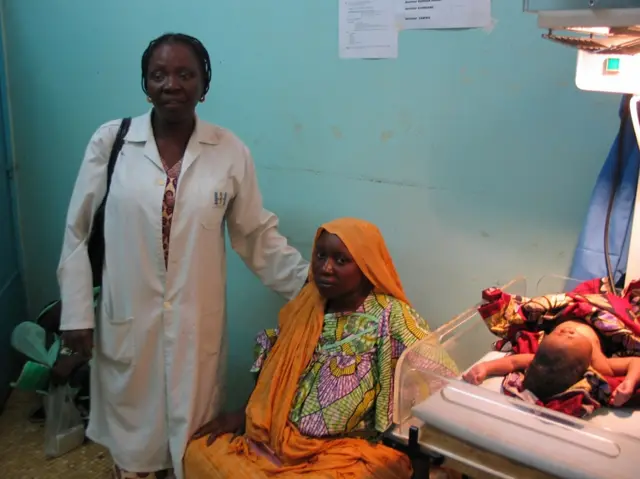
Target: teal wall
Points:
(474, 152)
(12, 293)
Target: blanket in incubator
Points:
(523, 324)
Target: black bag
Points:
(95, 245)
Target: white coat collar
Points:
(141, 131)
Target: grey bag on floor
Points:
(63, 428)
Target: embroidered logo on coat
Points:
(220, 199)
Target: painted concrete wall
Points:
(474, 151)
(12, 292)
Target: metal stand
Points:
(421, 461)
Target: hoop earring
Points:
(149, 99)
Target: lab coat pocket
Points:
(215, 208)
(210, 333)
(115, 340)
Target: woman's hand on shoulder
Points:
(226, 423)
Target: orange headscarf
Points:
(301, 323)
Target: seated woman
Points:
(324, 393)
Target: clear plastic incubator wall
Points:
(607, 445)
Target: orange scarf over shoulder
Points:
(301, 323)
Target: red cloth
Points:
(521, 323)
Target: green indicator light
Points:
(612, 65)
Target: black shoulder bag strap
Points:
(95, 244)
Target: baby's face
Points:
(565, 337)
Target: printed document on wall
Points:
(367, 29)
(435, 14)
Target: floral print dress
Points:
(347, 388)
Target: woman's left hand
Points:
(226, 423)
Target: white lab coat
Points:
(158, 371)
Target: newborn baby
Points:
(562, 358)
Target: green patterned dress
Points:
(347, 387)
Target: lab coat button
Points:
(160, 182)
(167, 305)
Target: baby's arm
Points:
(630, 369)
(498, 367)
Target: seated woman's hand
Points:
(225, 423)
(476, 375)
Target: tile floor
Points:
(21, 448)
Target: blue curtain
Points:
(589, 258)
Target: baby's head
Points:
(561, 361)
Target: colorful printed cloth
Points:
(522, 323)
(168, 204)
(348, 385)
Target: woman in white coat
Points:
(158, 337)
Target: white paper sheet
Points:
(435, 14)
(367, 29)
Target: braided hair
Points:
(196, 46)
